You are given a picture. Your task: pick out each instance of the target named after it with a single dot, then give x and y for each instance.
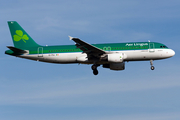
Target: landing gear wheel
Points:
(94, 68)
(95, 72)
(152, 67)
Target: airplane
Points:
(110, 55)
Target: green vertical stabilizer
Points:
(19, 36)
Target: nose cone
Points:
(171, 52)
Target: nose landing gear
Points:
(94, 68)
(152, 67)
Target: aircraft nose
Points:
(171, 52)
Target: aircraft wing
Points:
(87, 48)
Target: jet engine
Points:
(116, 57)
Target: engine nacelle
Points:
(115, 66)
(116, 57)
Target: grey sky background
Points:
(34, 90)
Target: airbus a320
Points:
(111, 55)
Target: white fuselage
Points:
(79, 57)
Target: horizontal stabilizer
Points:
(16, 50)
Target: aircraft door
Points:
(151, 47)
(40, 52)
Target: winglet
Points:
(70, 38)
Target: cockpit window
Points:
(163, 46)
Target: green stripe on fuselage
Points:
(105, 47)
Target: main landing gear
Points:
(94, 68)
(152, 67)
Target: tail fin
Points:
(20, 38)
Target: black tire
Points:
(152, 67)
(95, 72)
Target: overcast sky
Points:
(31, 90)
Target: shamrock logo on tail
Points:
(19, 35)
